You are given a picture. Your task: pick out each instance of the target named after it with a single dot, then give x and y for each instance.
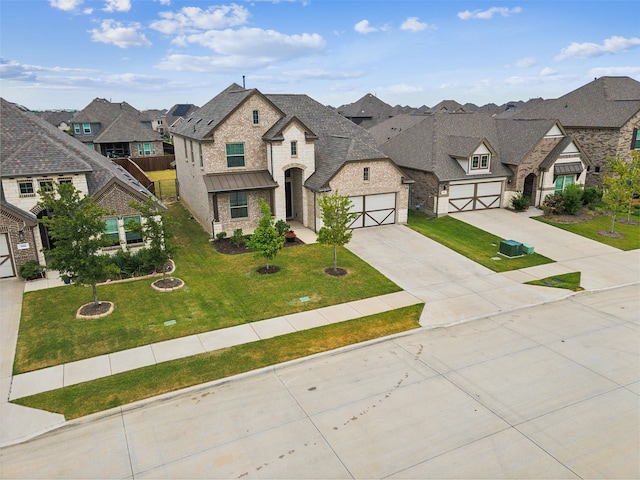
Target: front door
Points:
(529, 189)
(288, 194)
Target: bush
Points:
(553, 204)
(130, 264)
(30, 270)
(572, 195)
(520, 201)
(221, 236)
(592, 197)
(237, 238)
(282, 227)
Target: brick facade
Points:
(12, 225)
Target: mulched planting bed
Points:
(338, 272)
(225, 246)
(168, 283)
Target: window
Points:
(238, 204)
(111, 231)
(76, 128)
(562, 181)
(484, 161)
(46, 185)
(479, 162)
(86, 128)
(235, 154)
(64, 180)
(186, 153)
(475, 161)
(146, 149)
(365, 174)
(256, 117)
(26, 188)
(635, 141)
(191, 148)
(200, 152)
(294, 149)
(131, 224)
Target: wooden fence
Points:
(150, 164)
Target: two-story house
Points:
(116, 130)
(603, 115)
(474, 161)
(35, 156)
(289, 150)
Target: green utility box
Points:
(510, 248)
(528, 249)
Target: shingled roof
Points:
(433, 144)
(607, 102)
(127, 128)
(393, 126)
(32, 146)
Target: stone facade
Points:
(425, 192)
(598, 144)
(23, 238)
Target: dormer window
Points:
(86, 128)
(480, 160)
(256, 117)
(484, 161)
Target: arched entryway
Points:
(293, 193)
(529, 189)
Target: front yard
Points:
(221, 291)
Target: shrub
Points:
(520, 201)
(237, 238)
(553, 204)
(221, 236)
(30, 270)
(572, 195)
(591, 197)
(131, 264)
(282, 227)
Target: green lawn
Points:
(569, 281)
(590, 229)
(165, 184)
(102, 394)
(221, 291)
(475, 244)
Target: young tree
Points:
(156, 232)
(336, 217)
(76, 225)
(620, 182)
(266, 240)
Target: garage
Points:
(6, 265)
(474, 196)
(373, 210)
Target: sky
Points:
(61, 54)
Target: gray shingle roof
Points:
(32, 146)
(607, 102)
(127, 128)
(433, 144)
(101, 110)
(393, 126)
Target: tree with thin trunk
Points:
(75, 223)
(620, 182)
(266, 240)
(156, 232)
(336, 218)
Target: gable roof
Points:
(32, 146)
(339, 139)
(127, 128)
(101, 110)
(391, 127)
(607, 102)
(447, 106)
(369, 106)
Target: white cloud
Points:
(401, 88)
(546, 72)
(412, 24)
(87, 11)
(115, 33)
(201, 64)
(190, 19)
(488, 14)
(614, 44)
(525, 62)
(164, 2)
(66, 5)
(117, 6)
(363, 27)
(257, 43)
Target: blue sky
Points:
(155, 53)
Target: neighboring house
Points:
(116, 130)
(60, 119)
(156, 120)
(604, 116)
(289, 150)
(447, 106)
(473, 161)
(367, 111)
(177, 114)
(35, 155)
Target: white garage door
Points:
(474, 196)
(373, 210)
(6, 267)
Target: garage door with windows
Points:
(6, 265)
(372, 210)
(474, 196)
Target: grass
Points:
(98, 395)
(157, 175)
(590, 229)
(570, 281)
(221, 291)
(477, 245)
(165, 184)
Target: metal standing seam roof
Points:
(568, 168)
(238, 181)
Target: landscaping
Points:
(98, 395)
(569, 281)
(475, 244)
(220, 291)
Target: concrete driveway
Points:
(454, 288)
(551, 391)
